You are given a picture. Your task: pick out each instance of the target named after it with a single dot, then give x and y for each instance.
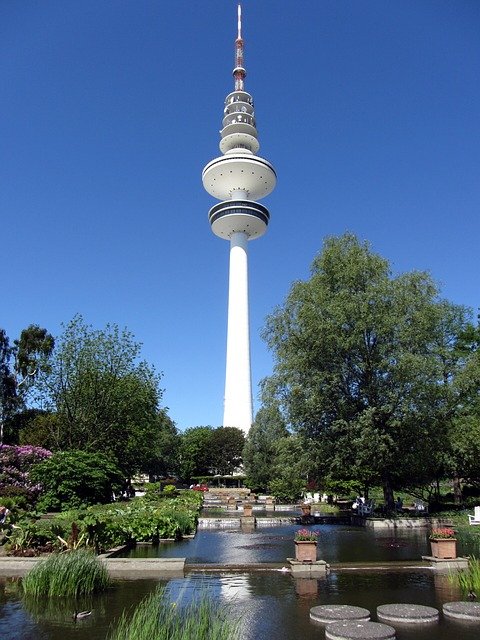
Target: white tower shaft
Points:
(238, 178)
(238, 408)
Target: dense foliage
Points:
(205, 450)
(261, 446)
(364, 367)
(72, 479)
(103, 397)
(103, 527)
(20, 365)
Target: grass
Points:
(467, 536)
(469, 579)
(157, 619)
(71, 574)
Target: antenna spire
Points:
(239, 72)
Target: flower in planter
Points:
(306, 535)
(442, 533)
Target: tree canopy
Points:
(102, 396)
(208, 450)
(363, 366)
(260, 448)
(20, 365)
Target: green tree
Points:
(165, 462)
(261, 447)
(196, 452)
(20, 365)
(464, 460)
(226, 449)
(72, 479)
(104, 398)
(290, 466)
(363, 367)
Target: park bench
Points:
(475, 519)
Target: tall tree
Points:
(20, 365)
(104, 398)
(260, 448)
(362, 366)
(464, 459)
(196, 452)
(227, 446)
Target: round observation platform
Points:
(240, 216)
(328, 613)
(239, 140)
(239, 171)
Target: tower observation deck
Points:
(238, 178)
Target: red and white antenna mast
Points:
(239, 72)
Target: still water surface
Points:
(336, 543)
(271, 605)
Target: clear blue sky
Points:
(369, 111)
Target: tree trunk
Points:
(388, 495)
(457, 490)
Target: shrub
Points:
(152, 491)
(156, 619)
(286, 490)
(107, 526)
(72, 479)
(71, 574)
(169, 489)
(16, 464)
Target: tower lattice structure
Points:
(238, 178)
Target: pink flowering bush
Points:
(16, 463)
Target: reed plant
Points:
(155, 618)
(71, 574)
(469, 579)
(469, 540)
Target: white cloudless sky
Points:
(368, 111)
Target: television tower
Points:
(238, 178)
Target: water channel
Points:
(271, 604)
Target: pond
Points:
(336, 543)
(271, 604)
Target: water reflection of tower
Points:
(238, 178)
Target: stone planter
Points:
(306, 550)
(247, 510)
(444, 548)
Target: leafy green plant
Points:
(286, 489)
(157, 619)
(71, 479)
(20, 537)
(152, 491)
(71, 574)
(469, 579)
